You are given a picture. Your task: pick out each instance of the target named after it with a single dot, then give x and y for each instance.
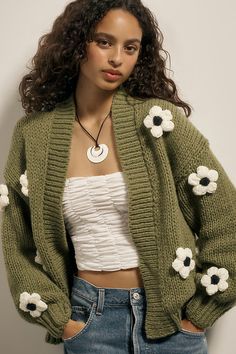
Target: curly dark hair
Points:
(56, 64)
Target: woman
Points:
(119, 221)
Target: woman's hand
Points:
(71, 328)
(189, 326)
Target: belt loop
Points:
(101, 296)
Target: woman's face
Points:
(116, 45)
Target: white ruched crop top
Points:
(95, 216)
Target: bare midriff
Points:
(124, 278)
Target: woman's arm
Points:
(36, 296)
(50, 307)
(211, 214)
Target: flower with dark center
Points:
(183, 263)
(215, 280)
(204, 181)
(159, 121)
(32, 303)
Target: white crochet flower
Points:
(215, 280)
(184, 262)
(4, 200)
(24, 183)
(32, 303)
(203, 181)
(39, 260)
(159, 120)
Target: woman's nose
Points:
(116, 56)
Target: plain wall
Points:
(200, 37)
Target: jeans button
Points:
(136, 296)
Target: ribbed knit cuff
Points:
(55, 319)
(203, 311)
(52, 340)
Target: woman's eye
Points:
(132, 48)
(104, 42)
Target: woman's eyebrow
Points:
(112, 37)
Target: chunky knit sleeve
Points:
(36, 297)
(207, 199)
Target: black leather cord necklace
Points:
(99, 152)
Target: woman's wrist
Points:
(67, 326)
(187, 324)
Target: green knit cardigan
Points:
(181, 209)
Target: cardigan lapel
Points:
(47, 153)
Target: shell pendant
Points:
(97, 155)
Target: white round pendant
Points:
(97, 155)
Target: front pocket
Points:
(81, 314)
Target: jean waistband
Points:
(111, 295)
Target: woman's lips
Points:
(111, 76)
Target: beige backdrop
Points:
(200, 37)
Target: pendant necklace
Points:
(99, 152)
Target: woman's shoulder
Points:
(148, 108)
(145, 104)
(32, 123)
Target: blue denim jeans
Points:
(114, 324)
